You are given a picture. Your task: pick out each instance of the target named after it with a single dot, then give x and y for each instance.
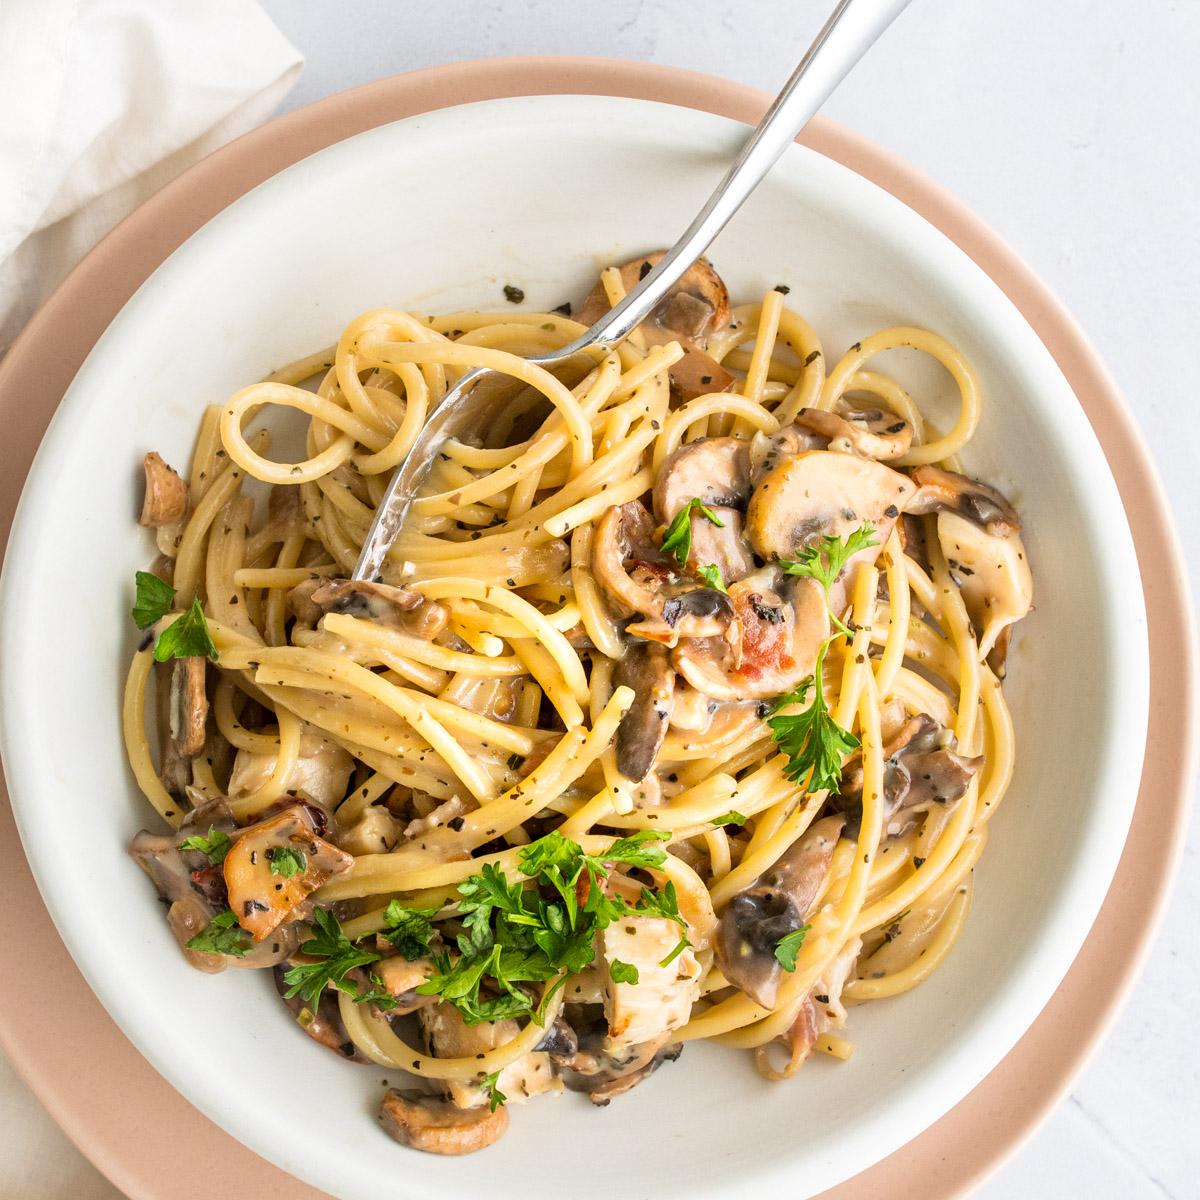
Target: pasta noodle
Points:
(696, 659)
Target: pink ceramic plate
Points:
(92, 1079)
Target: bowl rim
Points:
(825, 126)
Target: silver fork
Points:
(846, 36)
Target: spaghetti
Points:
(676, 714)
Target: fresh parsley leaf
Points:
(153, 601)
(410, 930)
(622, 972)
(287, 861)
(732, 817)
(813, 741)
(542, 931)
(788, 947)
(825, 560)
(377, 995)
(678, 538)
(665, 904)
(216, 845)
(222, 935)
(638, 850)
(711, 574)
(495, 1096)
(186, 637)
(335, 955)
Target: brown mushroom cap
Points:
(920, 769)
(776, 905)
(400, 607)
(188, 705)
(424, 1122)
(695, 307)
(260, 897)
(782, 623)
(946, 491)
(638, 578)
(824, 493)
(166, 499)
(715, 471)
(646, 668)
(870, 433)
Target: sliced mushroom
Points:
(714, 471)
(325, 1025)
(777, 904)
(606, 1085)
(824, 493)
(400, 607)
(768, 451)
(262, 892)
(662, 999)
(450, 1037)
(166, 499)
(195, 891)
(646, 668)
(189, 705)
(560, 1042)
(424, 1122)
(695, 307)
(783, 622)
(691, 711)
(920, 769)
(604, 1073)
(638, 578)
(320, 776)
(946, 491)
(979, 533)
(869, 433)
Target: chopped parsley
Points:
(732, 817)
(215, 845)
(813, 741)
(335, 956)
(678, 538)
(222, 935)
(623, 972)
(825, 560)
(711, 574)
(543, 928)
(788, 947)
(287, 861)
(491, 1089)
(514, 295)
(186, 637)
(410, 930)
(153, 601)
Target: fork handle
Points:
(846, 36)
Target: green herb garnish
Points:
(495, 1096)
(678, 538)
(222, 935)
(788, 947)
(187, 637)
(732, 817)
(286, 861)
(153, 601)
(824, 562)
(336, 955)
(623, 972)
(813, 741)
(410, 930)
(711, 574)
(216, 845)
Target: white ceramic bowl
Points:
(438, 212)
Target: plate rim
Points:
(866, 160)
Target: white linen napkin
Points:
(101, 103)
(104, 101)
